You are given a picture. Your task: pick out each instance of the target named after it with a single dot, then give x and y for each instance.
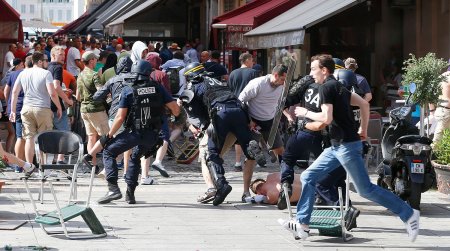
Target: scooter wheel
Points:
(415, 195)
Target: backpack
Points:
(174, 79)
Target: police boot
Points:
(129, 196)
(282, 204)
(223, 189)
(113, 194)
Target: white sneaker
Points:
(294, 227)
(147, 181)
(412, 225)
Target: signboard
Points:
(235, 37)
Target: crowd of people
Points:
(135, 99)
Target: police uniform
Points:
(145, 101)
(226, 115)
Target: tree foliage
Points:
(425, 72)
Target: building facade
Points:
(56, 12)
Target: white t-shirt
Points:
(261, 97)
(72, 55)
(8, 60)
(34, 83)
(95, 50)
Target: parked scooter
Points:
(406, 168)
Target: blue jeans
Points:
(349, 155)
(62, 123)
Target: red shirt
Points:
(20, 54)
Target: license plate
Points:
(417, 168)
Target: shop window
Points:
(229, 5)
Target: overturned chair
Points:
(67, 143)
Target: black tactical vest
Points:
(216, 93)
(148, 107)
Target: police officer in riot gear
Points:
(141, 107)
(226, 115)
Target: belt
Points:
(335, 142)
(310, 131)
(445, 107)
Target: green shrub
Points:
(442, 148)
(425, 72)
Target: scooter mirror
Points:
(412, 88)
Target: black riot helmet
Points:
(346, 77)
(338, 63)
(123, 65)
(141, 69)
(194, 72)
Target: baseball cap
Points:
(88, 55)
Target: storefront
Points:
(231, 27)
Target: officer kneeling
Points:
(227, 116)
(141, 107)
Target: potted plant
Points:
(425, 72)
(441, 164)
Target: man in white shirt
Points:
(262, 95)
(93, 47)
(7, 62)
(38, 89)
(74, 65)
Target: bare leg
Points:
(96, 148)
(11, 137)
(161, 152)
(145, 163)
(11, 159)
(175, 134)
(19, 148)
(92, 139)
(206, 175)
(29, 150)
(238, 150)
(126, 158)
(247, 174)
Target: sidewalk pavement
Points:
(167, 217)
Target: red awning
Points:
(70, 26)
(249, 16)
(11, 29)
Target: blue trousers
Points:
(349, 155)
(229, 118)
(298, 147)
(142, 143)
